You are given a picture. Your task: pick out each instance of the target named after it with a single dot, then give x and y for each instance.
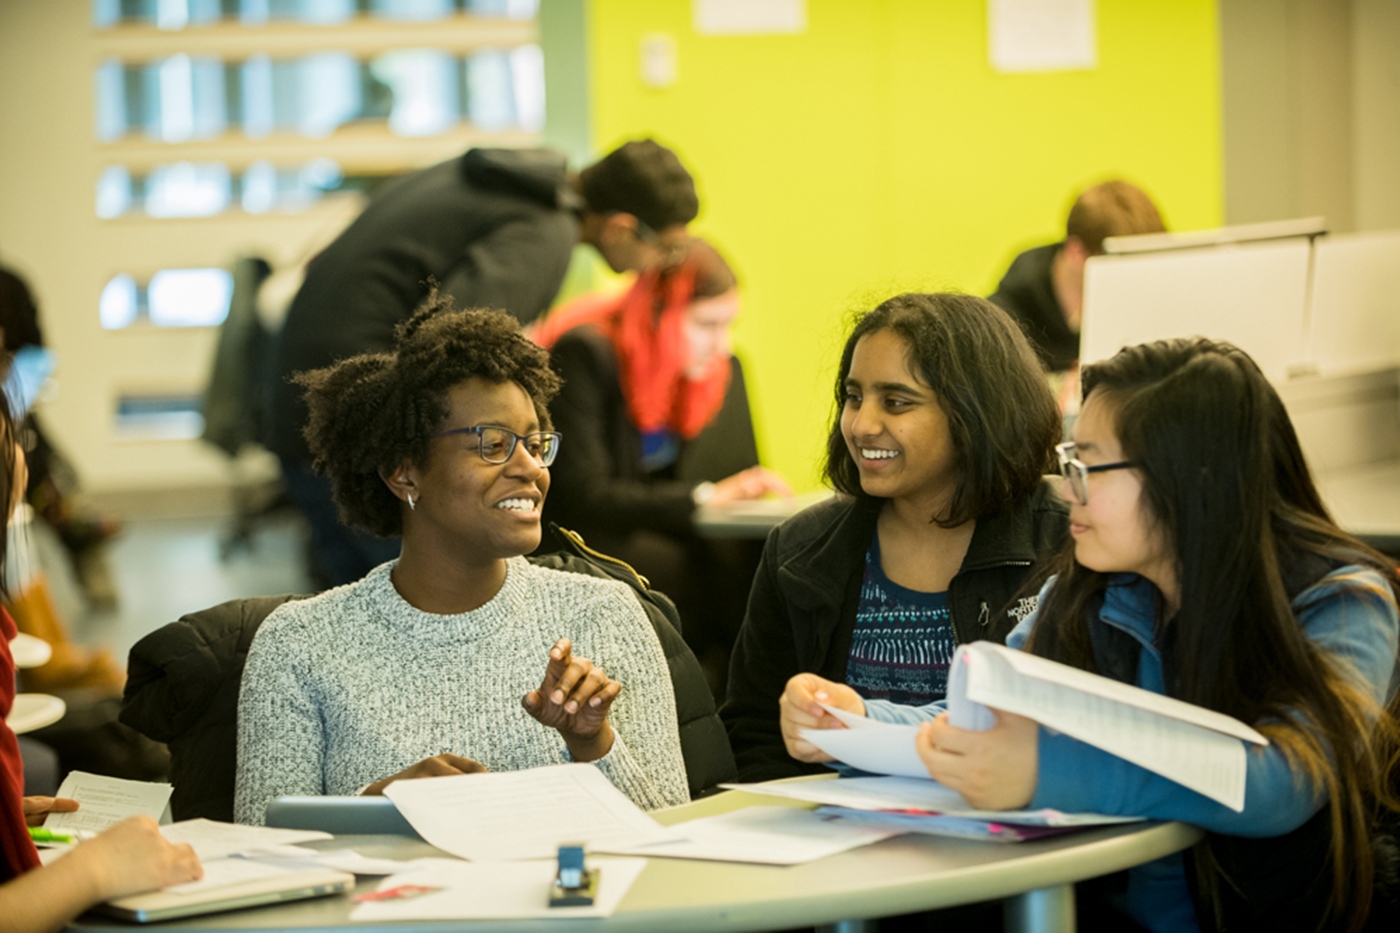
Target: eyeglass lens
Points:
(498, 445)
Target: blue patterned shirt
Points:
(903, 640)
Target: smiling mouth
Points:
(876, 453)
(519, 505)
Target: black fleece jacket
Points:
(802, 609)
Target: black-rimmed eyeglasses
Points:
(1077, 471)
(497, 445)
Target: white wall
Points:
(49, 232)
(1311, 109)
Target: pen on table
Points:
(40, 834)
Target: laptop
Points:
(290, 886)
(340, 816)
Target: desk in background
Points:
(753, 518)
(900, 875)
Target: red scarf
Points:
(16, 847)
(652, 351)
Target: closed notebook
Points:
(265, 886)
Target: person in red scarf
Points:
(129, 858)
(645, 373)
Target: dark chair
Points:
(183, 682)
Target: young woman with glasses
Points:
(942, 430)
(460, 656)
(1204, 566)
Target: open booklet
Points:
(1198, 748)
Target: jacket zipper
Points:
(577, 539)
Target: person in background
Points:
(1204, 566)
(1043, 290)
(646, 371)
(53, 483)
(461, 656)
(130, 858)
(493, 228)
(942, 430)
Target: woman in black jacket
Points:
(943, 428)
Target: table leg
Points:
(1044, 910)
(849, 926)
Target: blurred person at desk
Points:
(130, 858)
(652, 397)
(1043, 290)
(942, 429)
(460, 656)
(494, 228)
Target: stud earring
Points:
(411, 506)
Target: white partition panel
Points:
(1251, 294)
(1355, 320)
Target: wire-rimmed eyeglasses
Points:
(497, 445)
(1077, 471)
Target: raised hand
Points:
(800, 708)
(574, 698)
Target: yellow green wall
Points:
(878, 152)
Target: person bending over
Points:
(1204, 566)
(942, 430)
(460, 656)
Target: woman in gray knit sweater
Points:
(460, 656)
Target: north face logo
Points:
(1023, 608)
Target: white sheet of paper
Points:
(1041, 35)
(877, 747)
(903, 793)
(347, 860)
(766, 836)
(495, 890)
(1197, 748)
(106, 801)
(214, 840)
(221, 871)
(528, 814)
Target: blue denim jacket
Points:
(1351, 613)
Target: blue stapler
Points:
(575, 885)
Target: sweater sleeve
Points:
(1351, 616)
(588, 482)
(645, 760)
(281, 742)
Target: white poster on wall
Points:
(749, 17)
(1041, 35)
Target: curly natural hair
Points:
(371, 412)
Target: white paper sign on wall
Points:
(1041, 35)
(749, 17)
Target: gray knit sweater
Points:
(355, 684)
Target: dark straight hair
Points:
(1226, 486)
(9, 436)
(1002, 417)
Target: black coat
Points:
(495, 228)
(802, 609)
(184, 679)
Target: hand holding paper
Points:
(993, 769)
(807, 704)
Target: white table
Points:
(752, 518)
(34, 711)
(1366, 502)
(900, 875)
(29, 651)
